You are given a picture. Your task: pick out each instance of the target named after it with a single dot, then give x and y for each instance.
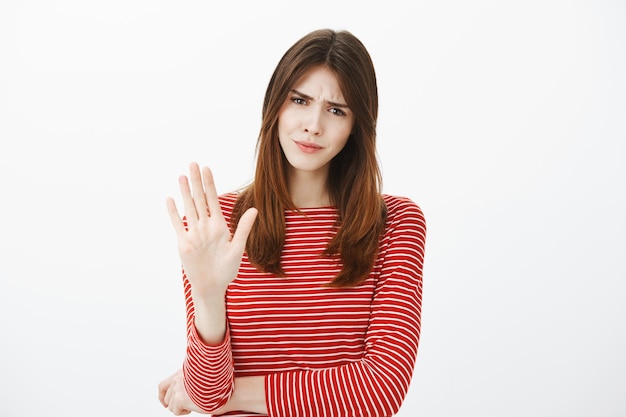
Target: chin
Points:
(307, 167)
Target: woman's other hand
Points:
(173, 396)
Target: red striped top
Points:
(324, 351)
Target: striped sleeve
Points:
(377, 384)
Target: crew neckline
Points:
(309, 209)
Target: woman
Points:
(303, 292)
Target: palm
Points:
(209, 253)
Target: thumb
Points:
(243, 228)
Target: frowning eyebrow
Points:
(330, 103)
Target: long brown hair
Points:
(354, 180)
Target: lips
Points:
(308, 147)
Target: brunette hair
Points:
(354, 181)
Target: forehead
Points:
(320, 83)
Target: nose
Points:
(313, 121)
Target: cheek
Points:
(283, 130)
(282, 123)
(285, 122)
(344, 142)
(339, 143)
(344, 134)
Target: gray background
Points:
(504, 121)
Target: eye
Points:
(337, 111)
(298, 100)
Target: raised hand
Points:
(209, 253)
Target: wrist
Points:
(249, 394)
(203, 285)
(210, 318)
(209, 297)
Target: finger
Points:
(167, 398)
(179, 400)
(199, 196)
(188, 203)
(211, 192)
(180, 397)
(243, 228)
(179, 408)
(173, 397)
(170, 398)
(170, 395)
(162, 392)
(178, 224)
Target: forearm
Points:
(357, 389)
(210, 316)
(248, 395)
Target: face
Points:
(314, 123)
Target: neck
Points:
(308, 189)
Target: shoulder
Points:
(402, 208)
(405, 229)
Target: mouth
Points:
(307, 147)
